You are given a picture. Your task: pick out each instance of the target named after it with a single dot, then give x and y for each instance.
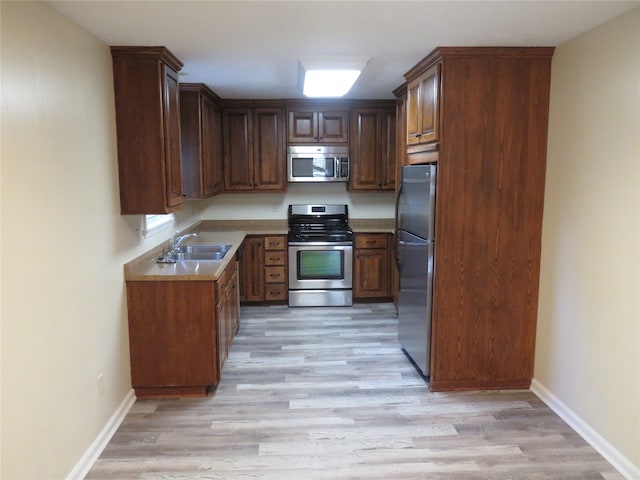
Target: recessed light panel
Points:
(329, 77)
(329, 83)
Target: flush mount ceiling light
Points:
(330, 77)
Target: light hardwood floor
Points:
(326, 393)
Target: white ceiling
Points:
(251, 49)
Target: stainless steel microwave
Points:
(316, 163)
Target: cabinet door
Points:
(429, 96)
(412, 112)
(252, 270)
(211, 148)
(268, 149)
(223, 332)
(388, 161)
(371, 273)
(365, 174)
(303, 127)
(333, 127)
(238, 152)
(201, 139)
(190, 130)
(147, 112)
(173, 159)
(172, 334)
(234, 302)
(423, 107)
(373, 149)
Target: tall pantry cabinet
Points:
(486, 127)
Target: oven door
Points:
(320, 266)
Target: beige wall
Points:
(63, 244)
(63, 241)
(274, 205)
(588, 345)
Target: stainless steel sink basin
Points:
(204, 249)
(201, 252)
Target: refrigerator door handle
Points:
(397, 234)
(398, 207)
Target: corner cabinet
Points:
(147, 102)
(201, 138)
(493, 106)
(373, 151)
(180, 332)
(254, 149)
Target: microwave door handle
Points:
(336, 171)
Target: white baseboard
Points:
(95, 449)
(597, 441)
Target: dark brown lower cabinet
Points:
(180, 332)
(263, 267)
(371, 272)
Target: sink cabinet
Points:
(180, 332)
(147, 102)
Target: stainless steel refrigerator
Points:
(415, 237)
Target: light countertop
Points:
(232, 232)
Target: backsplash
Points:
(264, 206)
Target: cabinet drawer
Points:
(375, 240)
(275, 291)
(274, 275)
(275, 258)
(275, 243)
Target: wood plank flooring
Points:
(326, 393)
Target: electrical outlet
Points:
(100, 384)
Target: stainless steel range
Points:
(320, 256)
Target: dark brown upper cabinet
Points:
(201, 129)
(373, 152)
(254, 148)
(315, 124)
(147, 102)
(423, 94)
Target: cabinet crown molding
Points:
(452, 52)
(159, 53)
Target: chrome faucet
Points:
(176, 242)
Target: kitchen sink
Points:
(201, 252)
